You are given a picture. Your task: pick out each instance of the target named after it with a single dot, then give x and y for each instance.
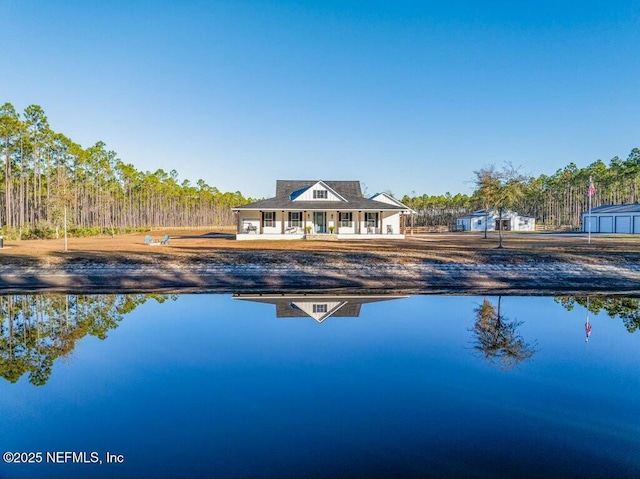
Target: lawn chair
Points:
(165, 240)
(148, 240)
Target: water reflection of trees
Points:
(627, 309)
(37, 329)
(496, 337)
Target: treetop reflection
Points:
(627, 309)
(35, 330)
(497, 337)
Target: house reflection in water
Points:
(318, 307)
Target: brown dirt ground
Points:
(199, 245)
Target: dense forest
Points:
(439, 210)
(50, 181)
(48, 177)
(557, 200)
(35, 330)
(560, 199)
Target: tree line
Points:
(438, 210)
(49, 181)
(37, 329)
(555, 200)
(627, 309)
(561, 198)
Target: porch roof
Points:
(354, 204)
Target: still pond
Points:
(302, 386)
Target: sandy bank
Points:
(204, 261)
(424, 277)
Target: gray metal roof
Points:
(615, 209)
(343, 188)
(349, 190)
(286, 309)
(492, 213)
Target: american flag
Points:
(592, 189)
(587, 329)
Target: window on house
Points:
(526, 222)
(346, 219)
(479, 222)
(371, 219)
(269, 219)
(320, 194)
(295, 218)
(319, 308)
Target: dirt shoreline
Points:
(346, 276)
(206, 262)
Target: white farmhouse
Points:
(511, 221)
(613, 219)
(308, 208)
(319, 307)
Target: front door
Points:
(320, 220)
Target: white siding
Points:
(346, 229)
(525, 224)
(249, 222)
(385, 199)
(308, 194)
(390, 223)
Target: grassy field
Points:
(202, 245)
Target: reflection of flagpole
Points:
(587, 325)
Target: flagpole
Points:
(590, 195)
(587, 326)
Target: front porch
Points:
(322, 225)
(318, 236)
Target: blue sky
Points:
(404, 96)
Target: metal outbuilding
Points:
(613, 219)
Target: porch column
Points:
(381, 223)
(402, 222)
(359, 228)
(412, 223)
(261, 221)
(237, 222)
(282, 224)
(304, 222)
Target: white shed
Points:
(511, 221)
(623, 219)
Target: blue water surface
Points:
(211, 386)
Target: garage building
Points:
(613, 219)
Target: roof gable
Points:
(388, 199)
(345, 189)
(318, 310)
(298, 196)
(309, 193)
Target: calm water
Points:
(209, 385)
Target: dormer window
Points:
(320, 194)
(319, 308)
